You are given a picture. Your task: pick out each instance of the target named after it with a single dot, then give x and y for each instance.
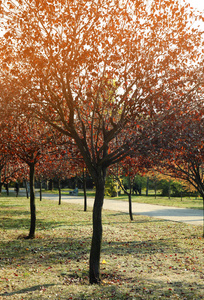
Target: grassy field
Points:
(187, 202)
(143, 259)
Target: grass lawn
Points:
(143, 259)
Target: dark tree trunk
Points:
(46, 185)
(17, 189)
(50, 185)
(203, 216)
(169, 190)
(76, 184)
(26, 187)
(155, 189)
(84, 188)
(32, 202)
(60, 194)
(7, 189)
(130, 200)
(40, 190)
(94, 263)
(130, 206)
(0, 183)
(147, 187)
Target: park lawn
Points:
(186, 202)
(147, 258)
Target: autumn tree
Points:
(128, 169)
(184, 156)
(11, 169)
(58, 164)
(29, 141)
(96, 70)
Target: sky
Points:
(199, 4)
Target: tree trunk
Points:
(46, 185)
(59, 188)
(26, 187)
(7, 189)
(0, 183)
(130, 200)
(50, 185)
(169, 190)
(94, 263)
(32, 202)
(84, 188)
(155, 189)
(40, 190)
(203, 216)
(147, 187)
(130, 206)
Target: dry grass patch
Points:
(144, 259)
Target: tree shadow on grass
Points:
(21, 220)
(139, 247)
(13, 213)
(26, 290)
(56, 250)
(48, 250)
(118, 286)
(9, 223)
(146, 220)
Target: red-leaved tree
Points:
(96, 70)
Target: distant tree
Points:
(29, 140)
(184, 157)
(59, 164)
(126, 174)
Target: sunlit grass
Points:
(144, 259)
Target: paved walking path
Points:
(189, 216)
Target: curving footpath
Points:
(185, 215)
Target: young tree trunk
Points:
(94, 263)
(50, 185)
(26, 187)
(130, 200)
(60, 194)
(169, 190)
(203, 216)
(0, 183)
(155, 189)
(84, 188)
(76, 184)
(40, 190)
(7, 189)
(32, 202)
(130, 206)
(147, 186)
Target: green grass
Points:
(185, 202)
(143, 259)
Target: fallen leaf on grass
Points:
(104, 262)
